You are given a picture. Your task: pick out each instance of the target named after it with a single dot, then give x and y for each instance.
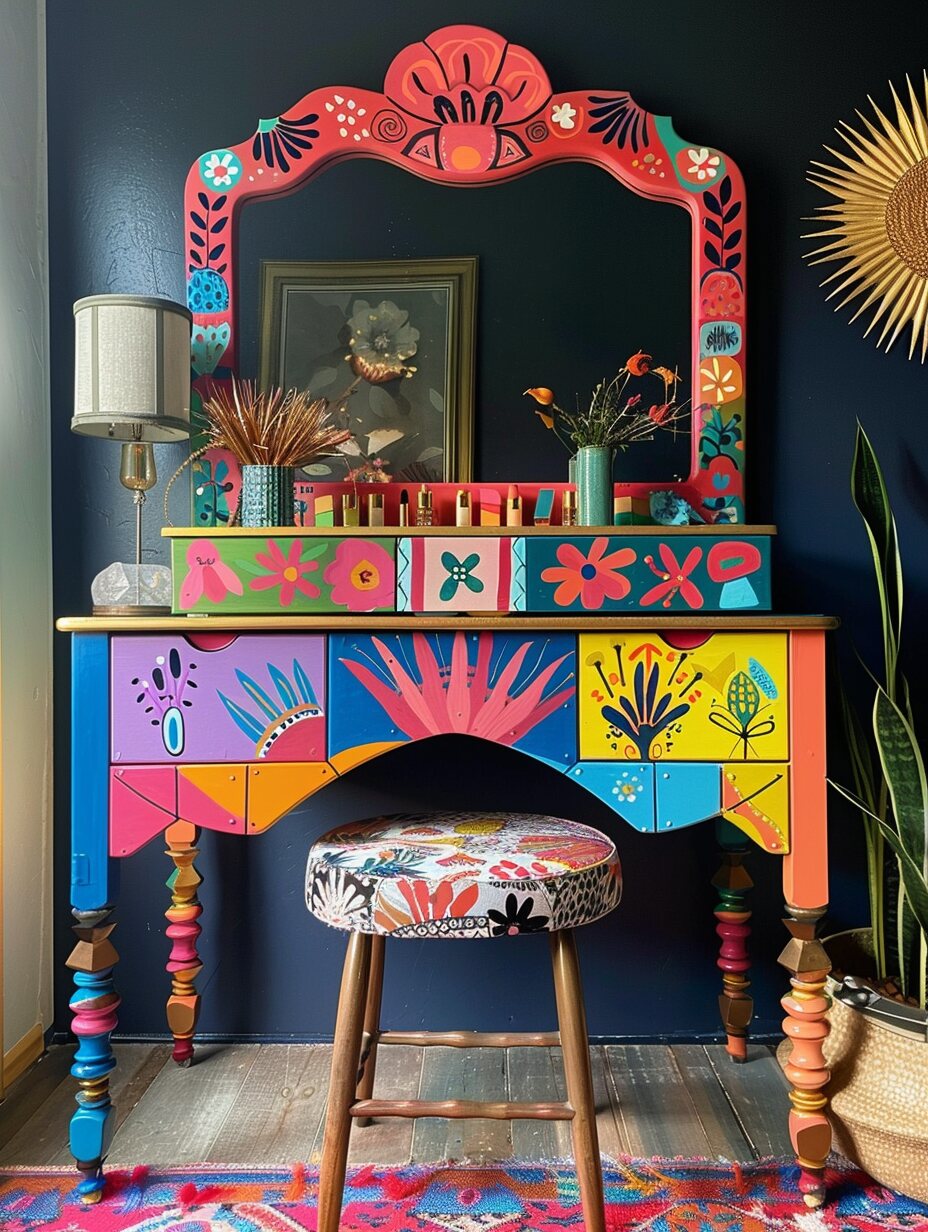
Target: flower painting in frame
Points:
(391, 344)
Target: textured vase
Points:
(594, 486)
(267, 496)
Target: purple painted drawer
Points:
(208, 699)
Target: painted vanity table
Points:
(642, 661)
(226, 722)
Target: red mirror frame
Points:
(465, 107)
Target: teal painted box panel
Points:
(264, 573)
(642, 573)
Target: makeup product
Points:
(544, 507)
(375, 509)
(489, 507)
(325, 510)
(513, 506)
(569, 508)
(351, 515)
(462, 510)
(404, 508)
(424, 507)
(631, 511)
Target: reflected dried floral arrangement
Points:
(615, 418)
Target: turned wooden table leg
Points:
(575, 1046)
(183, 929)
(807, 1026)
(94, 1004)
(368, 1064)
(733, 882)
(343, 1079)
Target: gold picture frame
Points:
(307, 340)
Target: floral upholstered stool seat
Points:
(458, 875)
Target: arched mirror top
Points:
(466, 108)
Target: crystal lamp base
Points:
(132, 590)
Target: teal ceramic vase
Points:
(267, 496)
(594, 486)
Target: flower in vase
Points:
(639, 363)
(542, 395)
(381, 341)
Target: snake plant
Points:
(887, 765)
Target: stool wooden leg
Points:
(576, 1049)
(368, 1063)
(343, 1079)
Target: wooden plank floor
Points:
(264, 1104)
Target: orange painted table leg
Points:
(805, 886)
(806, 1025)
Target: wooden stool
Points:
(458, 875)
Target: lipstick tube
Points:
(513, 507)
(462, 509)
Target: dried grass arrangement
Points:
(272, 427)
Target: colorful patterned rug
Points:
(654, 1196)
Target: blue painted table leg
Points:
(94, 883)
(94, 1004)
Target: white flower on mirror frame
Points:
(703, 165)
(563, 115)
(221, 170)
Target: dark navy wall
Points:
(136, 92)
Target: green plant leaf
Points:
(855, 800)
(868, 490)
(904, 770)
(906, 928)
(916, 887)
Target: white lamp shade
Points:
(131, 368)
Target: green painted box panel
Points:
(265, 573)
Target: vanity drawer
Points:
(684, 696)
(217, 698)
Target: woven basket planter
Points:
(878, 1056)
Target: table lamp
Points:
(132, 384)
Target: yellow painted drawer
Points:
(684, 696)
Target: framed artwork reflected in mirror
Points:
(399, 335)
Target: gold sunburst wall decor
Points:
(877, 224)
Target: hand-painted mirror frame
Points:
(467, 108)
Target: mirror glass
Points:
(576, 273)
